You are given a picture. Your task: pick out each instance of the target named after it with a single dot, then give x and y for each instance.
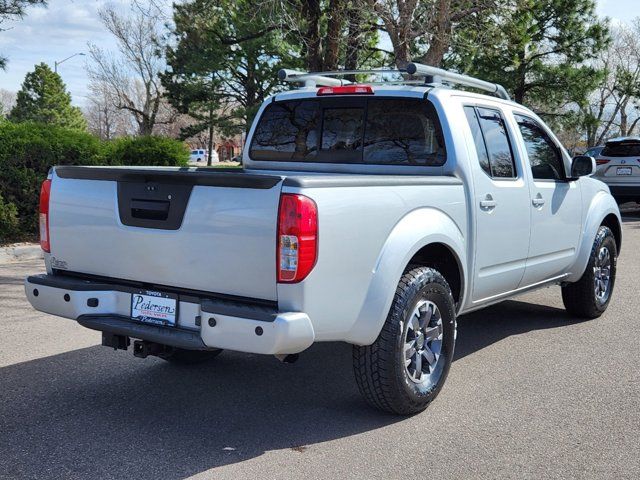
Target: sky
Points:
(66, 26)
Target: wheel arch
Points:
(603, 210)
(441, 257)
(612, 221)
(425, 237)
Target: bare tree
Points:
(7, 101)
(410, 23)
(331, 33)
(132, 76)
(627, 89)
(104, 119)
(174, 128)
(614, 108)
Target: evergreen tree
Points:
(537, 49)
(43, 98)
(223, 63)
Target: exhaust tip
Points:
(288, 358)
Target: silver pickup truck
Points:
(372, 214)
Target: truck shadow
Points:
(482, 328)
(97, 413)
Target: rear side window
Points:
(478, 139)
(544, 156)
(492, 142)
(380, 131)
(621, 149)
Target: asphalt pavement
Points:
(531, 394)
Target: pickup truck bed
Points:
(228, 219)
(116, 225)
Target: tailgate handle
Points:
(150, 209)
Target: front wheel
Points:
(405, 368)
(589, 297)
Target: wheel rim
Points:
(422, 352)
(602, 275)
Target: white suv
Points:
(619, 167)
(199, 157)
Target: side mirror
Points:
(582, 166)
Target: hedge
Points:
(29, 150)
(139, 151)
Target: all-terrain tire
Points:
(380, 370)
(580, 298)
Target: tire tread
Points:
(373, 364)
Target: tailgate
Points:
(201, 230)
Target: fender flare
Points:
(414, 231)
(602, 205)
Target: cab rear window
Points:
(621, 149)
(377, 131)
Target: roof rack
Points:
(437, 75)
(432, 76)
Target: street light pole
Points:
(56, 63)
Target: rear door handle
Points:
(538, 201)
(488, 203)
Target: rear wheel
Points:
(181, 356)
(405, 368)
(589, 297)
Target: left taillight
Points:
(297, 237)
(45, 194)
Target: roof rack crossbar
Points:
(310, 79)
(451, 77)
(431, 74)
(326, 78)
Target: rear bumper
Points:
(202, 324)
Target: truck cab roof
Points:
(411, 91)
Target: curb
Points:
(20, 252)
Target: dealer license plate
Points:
(623, 171)
(154, 307)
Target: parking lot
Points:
(531, 394)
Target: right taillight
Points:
(45, 194)
(297, 237)
(602, 161)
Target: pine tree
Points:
(538, 49)
(43, 98)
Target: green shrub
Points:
(147, 151)
(27, 152)
(8, 221)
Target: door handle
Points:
(538, 201)
(150, 209)
(488, 203)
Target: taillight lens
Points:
(602, 161)
(346, 90)
(297, 237)
(45, 193)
